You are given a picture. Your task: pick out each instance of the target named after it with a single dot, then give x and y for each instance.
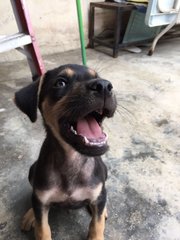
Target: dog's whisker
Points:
(124, 100)
(101, 70)
(126, 110)
(124, 115)
(99, 67)
(70, 111)
(126, 93)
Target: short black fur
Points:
(69, 170)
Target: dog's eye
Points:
(60, 83)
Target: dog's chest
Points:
(80, 185)
(80, 194)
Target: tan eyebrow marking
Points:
(69, 72)
(92, 72)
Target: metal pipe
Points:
(81, 31)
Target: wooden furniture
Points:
(119, 9)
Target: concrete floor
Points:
(144, 160)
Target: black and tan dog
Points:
(73, 101)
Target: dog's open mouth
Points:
(89, 129)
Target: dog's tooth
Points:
(86, 140)
(73, 130)
(95, 142)
(92, 143)
(105, 137)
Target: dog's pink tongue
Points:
(88, 127)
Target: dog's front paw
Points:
(42, 232)
(28, 220)
(96, 238)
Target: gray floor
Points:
(144, 160)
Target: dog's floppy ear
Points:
(26, 100)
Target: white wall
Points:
(54, 21)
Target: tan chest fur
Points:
(56, 195)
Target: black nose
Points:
(101, 86)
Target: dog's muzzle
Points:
(102, 87)
(85, 131)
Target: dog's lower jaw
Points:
(71, 150)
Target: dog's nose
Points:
(101, 86)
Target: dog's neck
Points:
(67, 151)
(66, 158)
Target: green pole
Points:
(81, 31)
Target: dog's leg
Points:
(99, 215)
(28, 220)
(42, 229)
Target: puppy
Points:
(73, 101)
